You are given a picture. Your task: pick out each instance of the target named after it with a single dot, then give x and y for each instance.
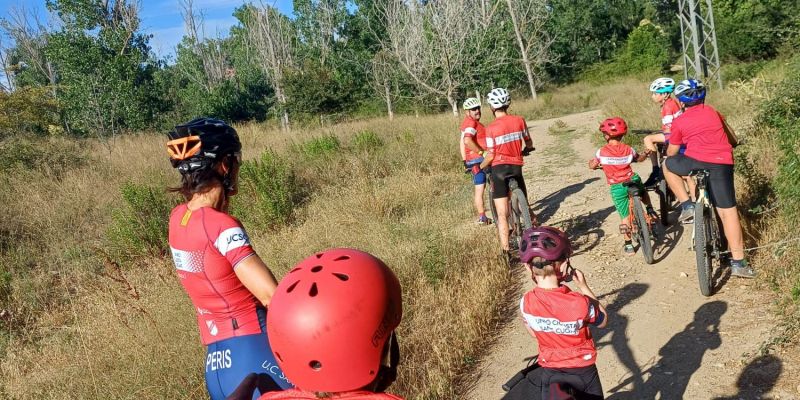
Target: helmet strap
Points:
(387, 372)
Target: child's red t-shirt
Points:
(616, 160)
(669, 111)
(701, 129)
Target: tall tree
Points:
(529, 18)
(430, 42)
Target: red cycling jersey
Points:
(474, 129)
(297, 394)
(206, 245)
(669, 111)
(560, 318)
(701, 129)
(616, 160)
(505, 137)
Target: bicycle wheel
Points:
(702, 247)
(520, 214)
(643, 230)
(664, 202)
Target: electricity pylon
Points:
(699, 40)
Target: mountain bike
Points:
(519, 216)
(665, 196)
(527, 385)
(708, 240)
(642, 225)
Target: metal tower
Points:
(699, 41)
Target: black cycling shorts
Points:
(501, 174)
(720, 178)
(584, 380)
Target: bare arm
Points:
(469, 141)
(487, 159)
(583, 286)
(257, 278)
(673, 149)
(462, 148)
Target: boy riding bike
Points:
(558, 317)
(709, 145)
(332, 322)
(615, 158)
(504, 139)
(472, 145)
(661, 90)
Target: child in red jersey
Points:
(559, 318)
(661, 90)
(331, 327)
(615, 158)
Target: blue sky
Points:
(162, 18)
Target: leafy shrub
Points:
(27, 110)
(367, 141)
(318, 147)
(140, 226)
(742, 71)
(44, 154)
(268, 191)
(646, 50)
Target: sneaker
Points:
(742, 270)
(629, 250)
(483, 220)
(687, 214)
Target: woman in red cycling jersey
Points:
(334, 316)
(228, 283)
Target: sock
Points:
(483, 214)
(628, 242)
(737, 263)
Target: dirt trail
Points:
(664, 340)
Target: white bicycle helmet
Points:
(662, 85)
(471, 103)
(498, 98)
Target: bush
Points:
(140, 226)
(366, 141)
(268, 191)
(318, 147)
(26, 111)
(43, 154)
(646, 50)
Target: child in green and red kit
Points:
(615, 158)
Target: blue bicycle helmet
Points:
(690, 91)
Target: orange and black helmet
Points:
(200, 143)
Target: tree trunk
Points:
(388, 95)
(523, 51)
(453, 104)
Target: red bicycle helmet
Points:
(330, 318)
(614, 127)
(545, 242)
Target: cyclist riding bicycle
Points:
(661, 94)
(228, 283)
(559, 318)
(504, 139)
(472, 145)
(615, 158)
(709, 145)
(332, 326)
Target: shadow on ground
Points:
(757, 378)
(547, 206)
(679, 358)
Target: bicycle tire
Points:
(643, 230)
(704, 258)
(664, 203)
(521, 214)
